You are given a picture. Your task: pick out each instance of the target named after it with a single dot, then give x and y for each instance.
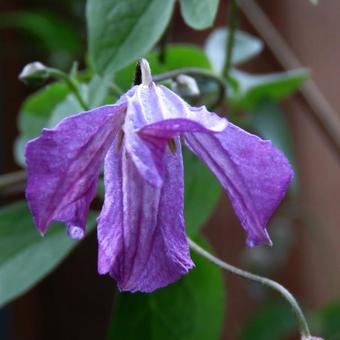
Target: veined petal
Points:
(147, 157)
(141, 235)
(155, 111)
(254, 173)
(174, 127)
(63, 165)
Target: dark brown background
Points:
(74, 294)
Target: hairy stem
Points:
(194, 71)
(233, 22)
(304, 329)
(73, 86)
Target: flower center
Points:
(143, 73)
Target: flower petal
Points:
(63, 165)
(141, 235)
(254, 173)
(155, 111)
(146, 156)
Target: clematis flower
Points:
(141, 232)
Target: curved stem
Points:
(55, 73)
(195, 71)
(233, 22)
(304, 329)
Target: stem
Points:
(304, 329)
(194, 71)
(233, 22)
(12, 178)
(70, 82)
(163, 45)
(115, 89)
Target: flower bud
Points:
(311, 338)
(185, 86)
(34, 73)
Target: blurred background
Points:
(306, 234)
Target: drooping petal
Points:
(63, 165)
(254, 173)
(141, 235)
(155, 107)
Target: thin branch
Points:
(58, 74)
(12, 178)
(233, 22)
(194, 71)
(304, 329)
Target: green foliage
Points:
(34, 115)
(273, 321)
(122, 31)
(190, 309)
(202, 192)
(246, 47)
(26, 257)
(249, 89)
(199, 14)
(94, 94)
(328, 321)
(48, 106)
(176, 56)
(55, 33)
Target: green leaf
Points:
(97, 91)
(51, 104)
(66, 107)
(35, 113)
(246, 47)
(202, 193)
(94, 94)
(328, 321)
(26, 257)
(273, 321)
(190, 309)
(122, 31)
(54, 32)
(268, 120)
(251, 89)
(177, 56)
(199, 14)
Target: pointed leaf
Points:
(26, 257)
(122, 31)
(250, 89)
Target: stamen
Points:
(172, 146)
(120, 137)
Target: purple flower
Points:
(141, 232)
